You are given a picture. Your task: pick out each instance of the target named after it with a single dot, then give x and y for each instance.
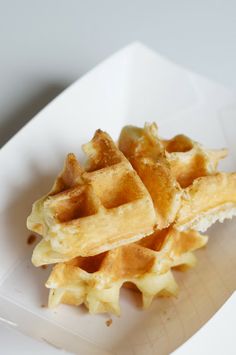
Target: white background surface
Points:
(45, 45)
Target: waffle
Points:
(146, 152)
(96, 281)
(189, 159)
(205, 193)
(128, 217)
(93, 209)
(207, 200)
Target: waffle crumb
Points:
(109, 322)
(31, 239)
(44, 267)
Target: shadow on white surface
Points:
(19, 116)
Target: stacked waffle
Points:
(129, 216)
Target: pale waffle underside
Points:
(96, 281)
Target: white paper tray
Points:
(133, 86)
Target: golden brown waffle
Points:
(145, 151)
(206, 196)
(96, 281)
(189, 159)
(89, 211)
(209, 199)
